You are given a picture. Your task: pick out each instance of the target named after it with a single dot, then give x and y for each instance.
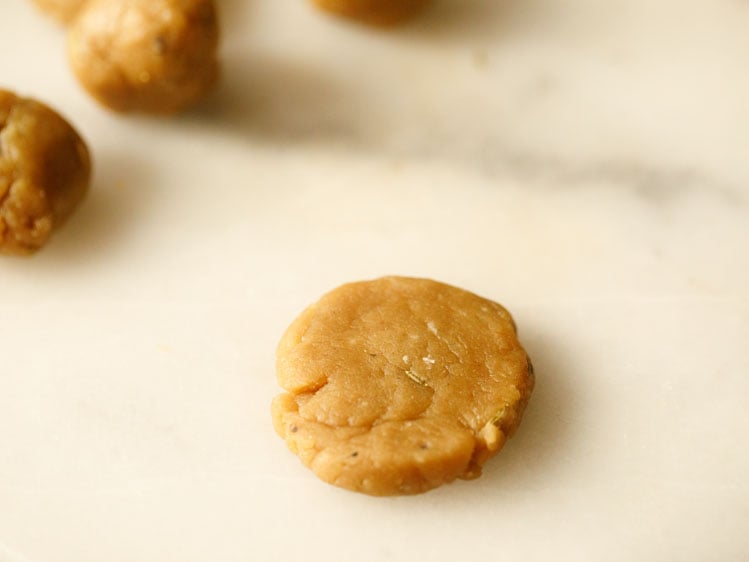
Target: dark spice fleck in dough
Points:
(374, 12)
(399, 385)
(44, 173)
(152, 56)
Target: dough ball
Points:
(400, 385)
(153, 56)
(44, 173)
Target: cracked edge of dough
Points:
(487, 441)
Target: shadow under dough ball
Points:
(374, 12)
(62, 10)
(152, 56)
(44, 173)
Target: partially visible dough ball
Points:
(374, 12)
(62, 10)
(154, 56)
(44, 173)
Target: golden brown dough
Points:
(44, 173)
(399, 385)
(63, 11)
(155, 56)
(374, 12)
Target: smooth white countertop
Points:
(584, 163)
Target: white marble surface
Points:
(585, 163)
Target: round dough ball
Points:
(399, 385)
(374, 12)
(154, 56)
(44, 173)
(62, 10)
